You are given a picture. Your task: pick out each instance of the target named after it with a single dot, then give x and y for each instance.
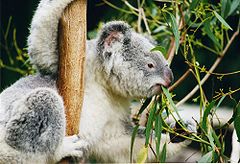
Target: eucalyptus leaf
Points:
(205, 115)
(216, 139)
(234, 5)
(159, 48)
(207, 158)
(167, 94)
(150, 124)
(194, 4)
(158, 132)
(207, 29)
(220, 101)
(226, 5)
(134, 133)
(163, 154)
(222, 20)
(175, 30)
(211, 140)
(142, 155)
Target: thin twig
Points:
(170, 1)
(171, 51)
(145, 21)
(139, 28)
(115, 7)
(154, 153)
(216, 63)
(203, 69)
(130, 6)
(179, 81)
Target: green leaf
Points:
(159, 48)
(211, 140)
(169, 98)
(135, 130)
(216, 139)
(194, 4)
(237, 121)
(220, 101)
(142, 156)
(207, 29)
(205, 115)
(222, 20)
(175, 31)
(150, 124)
(158, 132)
(226, 4)
(234, 5)
(207, 158)
(145, 104)
(163, 154)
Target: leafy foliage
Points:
(183, 27)
(16, 57)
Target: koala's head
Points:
(130, 68)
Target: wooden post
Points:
(72, 50)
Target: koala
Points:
(235, 155)
(120, 67)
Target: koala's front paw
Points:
(72, 146)
(191, 128)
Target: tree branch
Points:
(216, 63)
(184, 76)
(72, 43)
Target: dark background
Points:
(22, 11)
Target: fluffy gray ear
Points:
(114, 35)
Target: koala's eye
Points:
(150, 65)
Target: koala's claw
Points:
(191, 127)
(73, 146)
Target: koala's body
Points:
(235, 155)
(119, 68)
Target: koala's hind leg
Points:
(37, 122)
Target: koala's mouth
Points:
(155, 90)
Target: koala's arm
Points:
(42, 41)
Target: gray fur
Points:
(119, 67)
(40, 126)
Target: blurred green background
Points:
(22, 11)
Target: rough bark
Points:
(72, 50)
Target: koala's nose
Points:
(167, 76)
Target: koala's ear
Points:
(112, 33)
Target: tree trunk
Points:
(72, 50)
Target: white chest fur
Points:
(103, 111)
